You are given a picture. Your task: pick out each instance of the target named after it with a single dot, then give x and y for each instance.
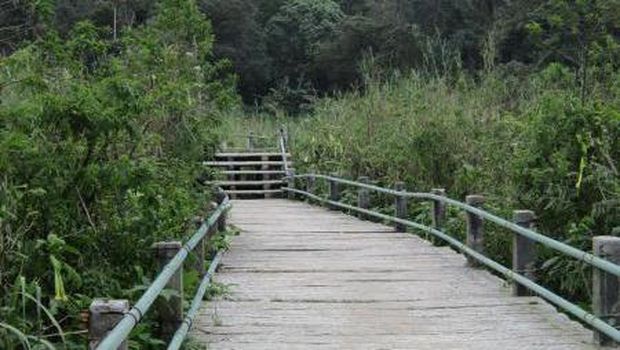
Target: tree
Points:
(580, 33)
(241, 39)
(295, 33)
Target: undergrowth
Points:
(525, 141)
(100, 148)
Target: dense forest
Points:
(108, 107)
(287, 53)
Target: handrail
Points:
(578, 254)
(124, 327)
(573, 309)
(181, 333)
(282, 144)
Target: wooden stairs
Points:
(251, 174)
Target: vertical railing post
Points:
(199, 251)
(104, 314)
(290, 183)
(221, 222)
(363, 196)
(251, 142)
(334, 191)
(311, 184)
(606, 287)
(170, 312)
(475, 232)
(400, 206)
(265, 177)
(523, 252)
(212, 231)
(438, 211)
(231, 176)
(285, 136)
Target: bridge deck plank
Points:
(303, 277)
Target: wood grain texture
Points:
(303, 277)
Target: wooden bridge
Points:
(303, 277)
(314, 270)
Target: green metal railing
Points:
(124, 327)
(602, 264)
(181, 333)
(282, 144)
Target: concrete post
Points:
(438, 211)
(400, 207)
(264, 176)
(475, 233)
(199, 251)
(221, 222)
(210, 251)
(363, 197)
(170, 313)
(523, 252)
(606, 287)
(334, 191)
(104, 315)
(251, 141)
(311, 184)
(290, 183)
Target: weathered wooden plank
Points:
(249, 154)
(245, 163)
(249, 183)
(253, 172)
(303, 277)
(256, 192)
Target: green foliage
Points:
(289, 49)
(107, 108)
(580, 34)
(100, 146)
(523, 143)
(296, 30)
(317, 47)
(242, 39)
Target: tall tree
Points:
(582, 34)
(240, 38)
(296, 31)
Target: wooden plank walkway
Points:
(303, 277)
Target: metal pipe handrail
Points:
(124, 327)
(181, 333)
(564, 248)
(571, 308)
(282, 144)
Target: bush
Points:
(100, 147)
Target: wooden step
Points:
(249, 155)
(254, 172)
(252, 192)
(254, 150)
(241, 163)
(249, 183)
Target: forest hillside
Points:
(108, 108)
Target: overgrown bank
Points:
(525, 142)
(100, 148)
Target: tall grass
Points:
(525, 141)
(236, 127)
